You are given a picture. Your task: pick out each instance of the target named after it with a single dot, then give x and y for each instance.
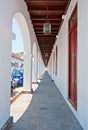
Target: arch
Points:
(21, 21)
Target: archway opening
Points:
(21, 46)
(17, 61)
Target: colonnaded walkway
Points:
(45, 110)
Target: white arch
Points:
(27, 49)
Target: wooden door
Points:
(73, 62)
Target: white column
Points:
(52, 66)
(41, 68)
(38, 70)
(34, 70)
(5, 74)
(27, 73)
(86, 48)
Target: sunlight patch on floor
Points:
(18, 108)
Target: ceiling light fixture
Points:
(57, 36)
(47, 25)
(63, 17)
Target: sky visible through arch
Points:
(17, 44)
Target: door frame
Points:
(70, 29)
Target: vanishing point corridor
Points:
(47, 111)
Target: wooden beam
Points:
(41, 31)
(45, 45)
(44, 16)
(44, 50)
(39, 34)
(50, 19)
(50, 35)
(45, 11)
(54, 1)
(33, 6)
(43, 23)
(41, 26)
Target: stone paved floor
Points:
(47, 110)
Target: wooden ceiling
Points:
(39, 10)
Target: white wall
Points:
(8, 9)
(82, 58)
(61, 79)
(87, 67)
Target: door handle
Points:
(75, 81)
(72, 80)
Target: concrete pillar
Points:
(27, 73)
(34, 70)
(38, 69)
(52, 66)
(5, 75)
(41, 68)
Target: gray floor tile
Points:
(48, 110)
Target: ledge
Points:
(27, 92)
(15, 97)
(36, 82)
(19, 93)
(8, 124)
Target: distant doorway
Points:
(73, 58)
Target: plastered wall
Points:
(61, 79)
